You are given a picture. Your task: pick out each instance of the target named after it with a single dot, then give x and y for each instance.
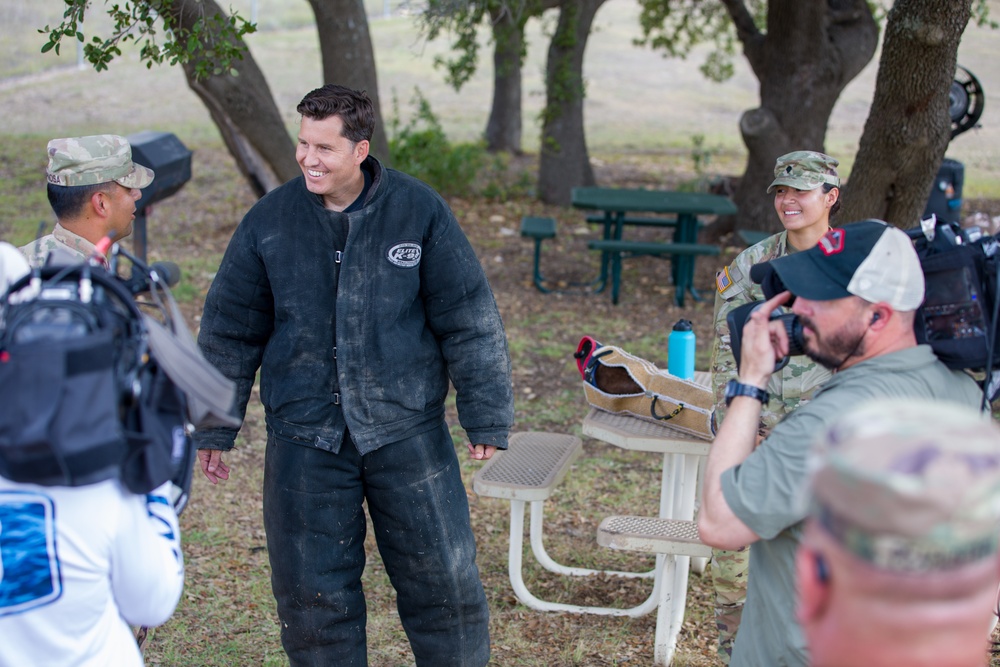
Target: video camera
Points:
(958, 317)
(95, 386)
(793, 327)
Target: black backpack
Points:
(93, 388)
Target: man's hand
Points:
(212, 465)
(481, 452)
(763, 343)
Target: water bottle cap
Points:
(683, 325)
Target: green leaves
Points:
(421, 149)
(212, 45)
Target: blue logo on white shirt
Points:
(29, 565)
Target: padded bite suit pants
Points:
(315, 527)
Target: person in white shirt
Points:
(79, 565)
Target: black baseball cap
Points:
(869, 259)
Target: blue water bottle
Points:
(680, 351)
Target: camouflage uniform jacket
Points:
(795, 383)
(63, 240)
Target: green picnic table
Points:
(617, 206)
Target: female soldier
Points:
(806, 191)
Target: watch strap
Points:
(736, 388)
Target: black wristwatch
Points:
(736, 388)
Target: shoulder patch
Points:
(723, 280)
(404, 255)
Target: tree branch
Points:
(747, 32)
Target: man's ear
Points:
(361, 151)
(813, 577)
(880, 316)
(99, 202)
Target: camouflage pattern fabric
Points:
(791, 387)
(99, 158)
(62, 241)
(805, 170)
(729, 579)
(908, 494)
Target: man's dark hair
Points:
(354, 108)
(67, 201)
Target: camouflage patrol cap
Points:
(805, 170)
(910, 485)
(100, 158)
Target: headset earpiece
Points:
(822, 569)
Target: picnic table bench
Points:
(619, 250)
(618, 206)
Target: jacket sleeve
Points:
(462, 312)
(731, 293)
(237, 320)
(147, 567)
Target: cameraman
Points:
(855, 294)
(79, 564)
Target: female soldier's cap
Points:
(805, 170)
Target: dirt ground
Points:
(543, 330)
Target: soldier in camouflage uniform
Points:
(806, 188)
(898, 561)
(92, 187)
(12, 266)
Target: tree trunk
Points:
(243, 109)
(564, 162)
(348, 57)
(809, 54)
(908, 127)
(503, 130)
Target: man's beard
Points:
(834, 350)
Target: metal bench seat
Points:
(652, 535)
(528, 471)
(530, 468)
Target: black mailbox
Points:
(170, 159)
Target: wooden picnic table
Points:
(616, 205)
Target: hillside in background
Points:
(638, 102)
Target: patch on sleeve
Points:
(723, 281)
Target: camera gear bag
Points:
(92, 385)
(619, 382)
(958, 317)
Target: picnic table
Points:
(616, 206)
(535, 463)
